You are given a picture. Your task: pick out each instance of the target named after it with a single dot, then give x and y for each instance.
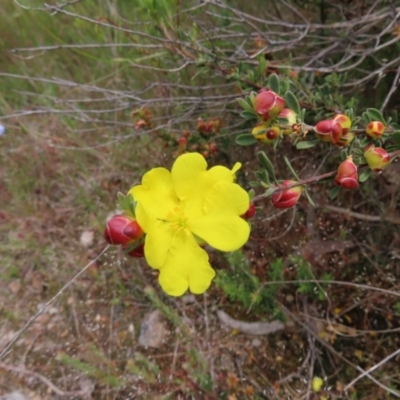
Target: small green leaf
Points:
(292, 102)
(392, 147)
(266, 163)
(334, 192)
(343, 154)
(364, 176)
(365, 119)
(375, 115)
(363, 141)
(273, 83)
(309, 197)
(395, 126)
(252, 193)
(244, 104)
(358, 152)
(262, 176)
(246, 140)
(252, 96)
(254, 184)
(306, 144)
(291, 168)
(269, 191)
(262, 64)
(248, 114)
(396, 137)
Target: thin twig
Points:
(47, 305)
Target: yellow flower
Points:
(317, 384)
(184, 208)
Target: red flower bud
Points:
(344, 121)
(287, 198)
(329, 130)
(122, 230)
(250, 212)
(268, 104)
(375, 129)
(376, 157)
(347, 174)
(290, 117)
(265, 133)
(213, 148)
(137, 252)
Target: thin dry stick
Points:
(47, 305)
(392, 89)
(376, 366)
(51, 385)
(364, 217)
(338, 354)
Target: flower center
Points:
(176, 217)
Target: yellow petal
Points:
(225, 233)
(221, 225)
(186, 267)
(156, 196)
(192, 181)
(158, 242)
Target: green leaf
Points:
(269, 191)
(248, 114)
(246, 140)
(266, 163)
(363, 141)
(244, 104)
(309, 197)
(364, 176)
(375, 115)
(358, 152)
(343, 154)
(334, 192)
(252, 193)
(262, 176)
(292, 102)
(306, 144)
(291, 168)
(262, 64)
(365, 119)
(127, 204)
(252, 96)
(396, 137)
(254, 184)
(395, 116)
(273, 83)
(392, 147)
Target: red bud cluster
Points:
(335, 130)
(268, 104)
(265, 133)
(347, 174)
(121, 230)
(375, 129)
(250, 212)
(377, 158)
(287, 198)
(329, 130)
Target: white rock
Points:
(153, 330)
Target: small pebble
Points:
(2, 130)
(153, 330)
(14, 396)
